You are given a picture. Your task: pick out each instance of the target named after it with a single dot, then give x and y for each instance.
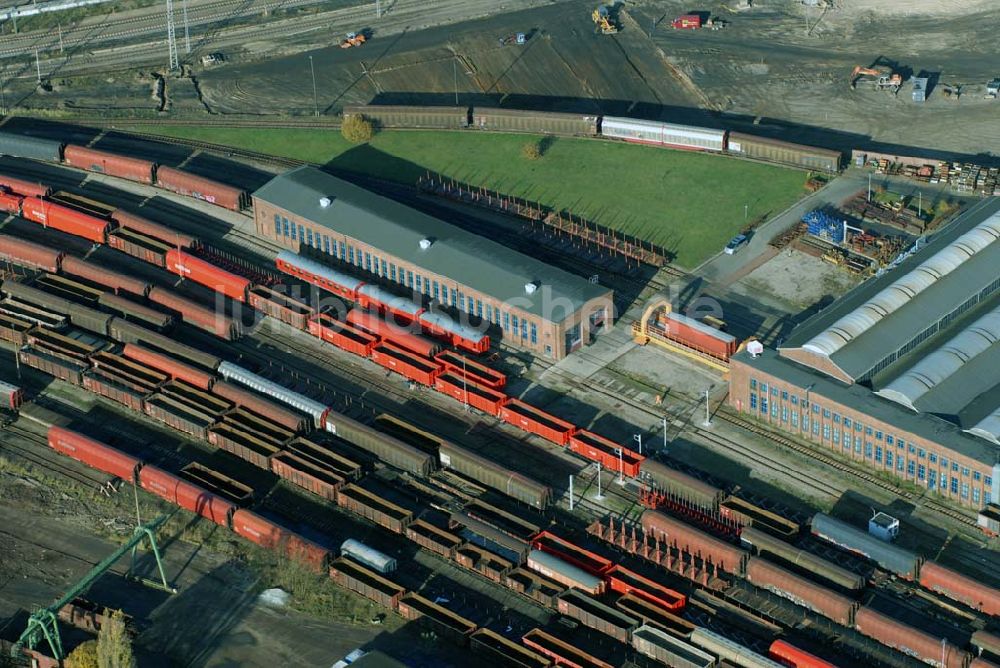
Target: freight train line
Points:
(53, 464)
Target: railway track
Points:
(50, 461)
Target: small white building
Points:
(884, 527)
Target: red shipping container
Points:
(203, 318)
(973, 593)
(177, 369)
(599, 449)
(400, 335)
(589, 561)
(29, 254)
(417, 368)
(207, 274)
(93, 453)
(468, 392)
(93, 160)
(463, 366)
(173, 238)
(343, 335)
(257, 404)
(10, 203)
(924, 646)
(537, 421)
(65, 219)
(790, 655)
(624, 581)
(103, 276)
(185, 494)
(687, 22)
(24, 188)
(694, 541)
(267, 534)
(199, 187)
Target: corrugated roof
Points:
(469, 259)
(865, 401)
(873, 321)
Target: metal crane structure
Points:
(43, 624)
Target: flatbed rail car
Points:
(584, 559)
(494, 475)
(504, 651)
(441, 620)
(401, 116)
(537, 421)
(561, 651)
(747, 514)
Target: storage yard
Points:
(429, 400)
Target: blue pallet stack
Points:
(823, 225)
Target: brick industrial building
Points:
(524, 302)
(903, 373)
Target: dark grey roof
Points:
(869, 345)
(865, 401)
(467, 258)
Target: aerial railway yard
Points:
(667, 564)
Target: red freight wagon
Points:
(400, 335)
(764, 574)
(185, 494)
(307, 475)
(65, 219)
(199, 187)
(206, 273)
(267, 534)
(92, 160)
(177, 369)
(926, 647)
(537, 421)
(790, 655)
(958, 587)
(343, 335)
(103, 276)
(599, 449)
(24, 188)
(475, 371)
(93, 453)
(699, 336)
(173, 238)
(29, 254)
(468, 392)
(563, 653)
(11, 396)
(219, 324)
(417, 368)
(10, 203)
(592, 563)
(624, 581)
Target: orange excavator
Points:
(883, 78)
(353, 39)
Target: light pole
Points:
(708, 410)
(746, 212)
(187, 33)
(621, 466)
(312, 71)
(454, 69)
(869, 186)
(599, 496)
(638, 438)
(664, 433)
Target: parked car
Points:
(213, 59)
(736, 244)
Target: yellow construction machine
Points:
(604, 20)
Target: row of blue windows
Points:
(381, 267)
(766, 402)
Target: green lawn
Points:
(689, 203)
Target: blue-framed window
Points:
(795, 400)
(869, 431)
(987, 497)
(302, 233)
(774, 391)
(878, 453)
(954, 466)
(420, 283)
(836, 418)
(454, 298)
(350, 254)
(965, 490)
(795, 419)
(977, 476)
(277, 225)
(836, 436)
(534, 333)
(763, 388)
(899, 463)
(515, 324)
(857, 426)
(479, 310)
(288, 227)
(524, 329)
(392, 272)
(774, 408)
(826, 413)
(326, 245)
(295, 236)
(815, 408)
(444, 293)
(815, 428)
(805, 423)
(932, 457)
(784, 395)
(826, 432)
(931, 479)
(461, 301)
(784, 414)
(309, 237)
(975, 495)
(763, 404)
(868, 449)
(921, 472)
(368, 261)
(753, 383)
(988, 480)
(489, 313)
(889, 440)
(384, 265)
(409, 279)
(878, 436)
(437, 290)
(343, 250)
(965, 472)
(888, 458)
(753, 402)
(506, 321)
(847, 423)
(857, 444)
